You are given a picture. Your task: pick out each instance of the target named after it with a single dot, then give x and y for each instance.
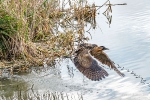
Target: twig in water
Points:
(132, 72)
(32, 86)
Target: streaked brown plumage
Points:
(86, 64)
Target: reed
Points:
(32, 30)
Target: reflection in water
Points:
(27, 87)
(9, 86)
(43, 82)
(108, 11)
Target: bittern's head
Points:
(103, 48)
(98, 49)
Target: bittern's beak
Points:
(105, 48)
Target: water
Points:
(128, 39)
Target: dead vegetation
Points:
(33, 30)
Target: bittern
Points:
(86, 63)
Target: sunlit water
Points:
(128, 39)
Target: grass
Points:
(33, 30)
(29, 30)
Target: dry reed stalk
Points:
(38, 23)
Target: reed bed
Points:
(30, 30)
(34, 30)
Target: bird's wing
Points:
(104, 59)
(93, 72)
